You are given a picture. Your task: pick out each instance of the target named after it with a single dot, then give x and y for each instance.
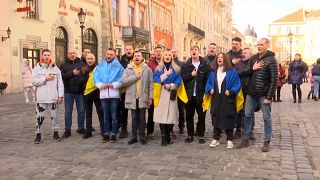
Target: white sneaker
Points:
(214, 143)
(27, 100)
(230, 145)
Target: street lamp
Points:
(290, 35)
(3, 38)
(82, 18)
(204, 50)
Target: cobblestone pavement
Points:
(294, 154)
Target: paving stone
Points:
(306, 176)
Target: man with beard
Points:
(181, 105)
(235, 53)
(212, 51)
(74, 81)
(153, 64)
(124, 61)
(195, 73)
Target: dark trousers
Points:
(296, 87)
(277, 95)
(123, 116)
(165, 132)
(150, 123)
(217, 133)
(311, 92)
(192, 106)
(239, 122)
(181, 108)
(138, 121)
(88, 107)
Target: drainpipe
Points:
(150, 25)
(111, 24)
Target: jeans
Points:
(110, 108)
(316, 82)
(69, 99)
(138, 121)
(251, 103)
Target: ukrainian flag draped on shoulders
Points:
(174, 78)
(233, 85)
(108, 72)
(90, 87)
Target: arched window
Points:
(90, 41)
(61, 48)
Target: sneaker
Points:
(80, 131)
(27, 100)
(244, 143)
(113, 139)
(214, 143)
(189, 139)
(132, 141)
(87, 135)
(252, 136)
(66, 134)
(56, 136)
(230, 145)
(38, 139)
(201, 140)
(123, 133)
(265, 147)
(106, 138)
(143, 141)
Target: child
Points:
(224, 84)
(137, 78)
(46, 77)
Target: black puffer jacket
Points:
(72, 83)
(263, 82)
(201, 78)
(240, 67)
(124, 60)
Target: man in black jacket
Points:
(124, 61)
(195, 73)
(212, 52)
(74, 81)
(261, 88)
(85, 52)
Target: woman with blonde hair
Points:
(167, 79)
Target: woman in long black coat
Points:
(224, 84)
(297, 70)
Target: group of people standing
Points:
(232, 85)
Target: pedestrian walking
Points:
(74, 84)
(224, 84)
(26, 75)
(138, 80)
(310, 82)
(107, 78)
(316, 79)
(195, 73)
(262, 85)
(167, 80)
(47, 79)
(91, 96)
(296, 72)
(281, 80)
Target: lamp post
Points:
(290, 35)
(3, 38)
(82, 18)
(204, 50)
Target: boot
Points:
(265, 147)
(56, 136)
(38, 139)
(168, 134)
(163, 135)
(244, 143)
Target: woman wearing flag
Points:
(167, 80)
(224, 85)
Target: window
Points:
(61, 46)
(34, 9)
(90, 41)
(33, 55)
(141, 19)
(115, 11)
(131, 16)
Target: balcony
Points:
(130, 33)
(198, 32)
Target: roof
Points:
(297, 16)
(313, 14)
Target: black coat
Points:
(240, 67)
(72, 83)
(210, 60)
(124, 60)
(231, 54)
(223, 108)
(201, 78)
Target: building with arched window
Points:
(36, 25)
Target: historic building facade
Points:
(303, 27)
(36, 25)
